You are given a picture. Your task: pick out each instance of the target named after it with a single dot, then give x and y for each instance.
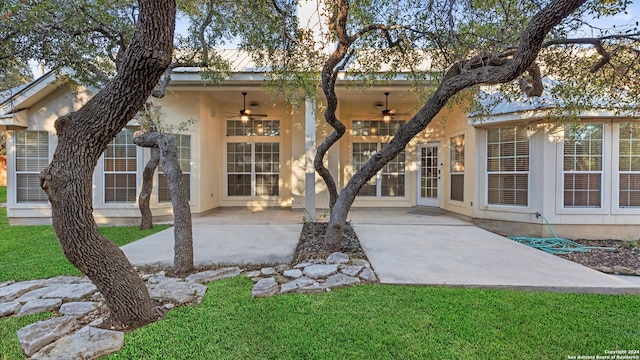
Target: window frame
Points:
(615, 169)
(47, 136)
(106, 172)
(456, 173)
(514, 172)
(253, 138)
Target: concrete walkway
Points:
(405, 246)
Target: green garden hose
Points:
(555, 245)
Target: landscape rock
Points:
(252, 274)
(316, 271)
(72, 292)
(35, 294)
(13, 291)
(623, 270)
(314, 288)
(265, 287)
(339, 280)
(338, 258)
(294, 285)
(351, 270)
(282, 267)
(303, 265)
(292, 273)
(37, 335)
(360, 262)
(65, 279)
(9, 308)
(368, 275)
(5, 283)
(177, 291)
(39, 306)
(87, 343)
(268, 271)
(213, 275)
(78, 309)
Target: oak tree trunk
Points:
(147, 187)
(460, 76)
(182, 227)
(82, 137)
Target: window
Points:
(183, 143)
(582, 165)
(629, 165)
(390, 181)
(508, 166)
(120, 169)
(32, 155)
(375, 127)
(253, 168)
(253, 128)
(457, 167)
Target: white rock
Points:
(360, 262)
(9, 308)
(315, 288)
(368, 275)
(303, 265)
(72, 292)
(36, 294)
(5, 283)
(268, 271)
(338, 258)
(86, 343)
(40, 305)
(168, 306)
(65, 279)
(339, 280)
(213, 275)
(253, 274)
(295, 284)
(351, 270)
(282, 267)
(12, 291)
(78, 309)
(293, 273)
(37, 335)
(316, 271)
(177, 291)
(265, 287)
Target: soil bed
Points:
(626, 254)
(311, 243)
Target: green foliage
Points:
(388, 322)
(3, 194)
(33, 252)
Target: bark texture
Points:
(147, 187)
(462, 75)
(82, 137)
(182, 227)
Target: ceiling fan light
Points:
(386, 118)
(244, 118)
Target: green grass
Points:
(389, 322)
(33, 252)
(3, 194)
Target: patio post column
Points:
(310, 153)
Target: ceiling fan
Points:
(245, 114)
(387, 114)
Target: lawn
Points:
(33, 252)
(361, 322)
(3, 194)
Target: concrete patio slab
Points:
(472, 257)
(221, 244)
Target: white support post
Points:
(310, 154)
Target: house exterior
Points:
(583, 177)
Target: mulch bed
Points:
(312, 238)
(626, 254)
